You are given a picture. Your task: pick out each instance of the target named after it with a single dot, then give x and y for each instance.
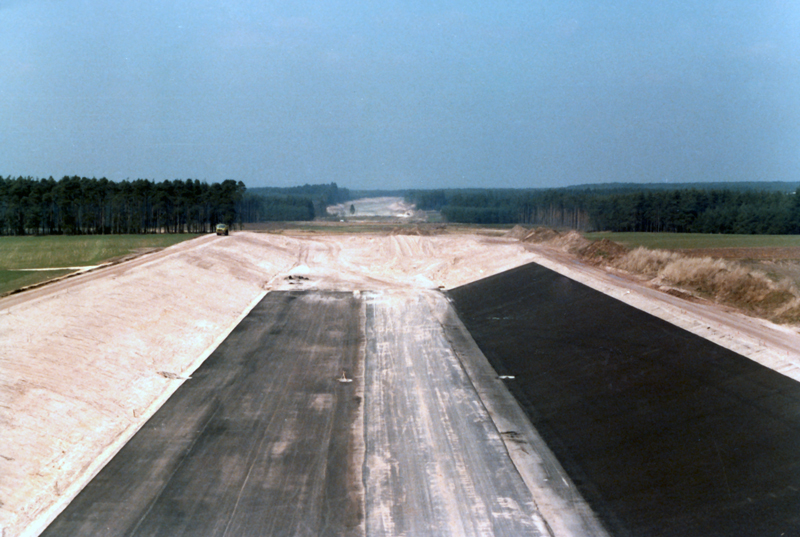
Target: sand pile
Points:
(570, 241)
(517, 232)
(540, 234)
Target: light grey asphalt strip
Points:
(435, 463)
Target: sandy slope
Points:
(83, 363)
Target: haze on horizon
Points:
(391, 95)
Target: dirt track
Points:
(85, 362)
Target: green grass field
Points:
(54, 251)
(674, 241)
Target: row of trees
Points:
(277, 208)
(298, 202)
(699, 211)
(555, 208)
(79, 205)
(623, 209)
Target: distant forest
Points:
(728, 208)
(79, 205)
(305, 202)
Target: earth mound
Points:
(539, 234)
(602, 252)
(517, 232)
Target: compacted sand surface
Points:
(85, 362)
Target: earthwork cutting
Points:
(292, 383)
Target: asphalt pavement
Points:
(663, 432)
(255, 443)
(278, 433)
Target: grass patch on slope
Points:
(55, 251)
(11, 280)
(75, 251)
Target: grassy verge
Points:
(74, 251)
(20, 253)
(687, 241)
(12, 280)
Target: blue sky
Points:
(401, 94)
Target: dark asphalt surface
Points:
(664, 432)
(256, 443)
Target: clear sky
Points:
(401, 94)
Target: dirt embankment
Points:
(688, 274)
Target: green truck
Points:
(222, 229)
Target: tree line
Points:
(692, 210)
(80, 205)
(276, 208)
(699, 211)
(555, 207)
(294, 203)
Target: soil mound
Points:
(571, 241)
(721, 280)
(538, 234)
(603, 251)
(729, 283)
(646, 262)
(517, 232)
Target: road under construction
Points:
(517, 401)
